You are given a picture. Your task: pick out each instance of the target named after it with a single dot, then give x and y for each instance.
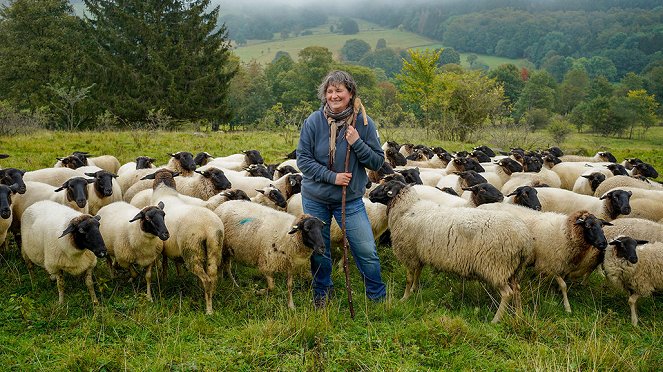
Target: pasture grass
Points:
(444, 326)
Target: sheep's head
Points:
(258, 170)
(448, 190)
(417, 155)
(645, 169)
(152, 221)
(311, 232)
(293, 184)
(629, 163)
(555, 151)
(625, 248)
(103, 182)
(185, 159)
(550, 160)
(618, 202)
(6, 200)
(386, 192)
(144, 162)
(395, 158)
(594, 179)
(76, 190)
(486, 150)
(275, 195)
(217, 177)
(592, 228)
(510, 166)
(532, 164)
(85, 234)
(617, 169)
(485, 193)
(396, 176)
(470, 178)
(235, 194)
(526, 196)
(292, 154)
(72, 162)
(411, 176)
(165, 176)
(13, 176)
(480, 156)
(607, 156)
(202, 158)
(253, 157)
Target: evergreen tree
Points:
(160, 54)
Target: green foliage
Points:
(508, 75)
(559, 130)
(538, 93)
(67, 105)
(354, 49)
(537, 118)
(249, 95)
(386, 59)
(572, 90)
(347, 26)
(181, 63)
(380, 44)
(448, 55)
(14, 122)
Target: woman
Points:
(321, 153)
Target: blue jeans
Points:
(362, 245)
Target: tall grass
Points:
(443, 326)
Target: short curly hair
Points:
(337, 77)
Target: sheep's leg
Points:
(148, 280)
(291, 303)
(562, 287)
(178, 268)
(109, 261)
(90, 286)
(59, 279)
(411, 279)
(517, 299)
(164, 267)
(505, 293)
(415, 279)
(228, 268)
(634, 311)
(270, 285)
(197, 270)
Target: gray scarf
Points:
(336, 121)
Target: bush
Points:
(13, 122)
(560, 130)
(537, 118)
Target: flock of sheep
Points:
(476, 214)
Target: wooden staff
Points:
(346, 244)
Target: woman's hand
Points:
(351, 134)
(343, 179)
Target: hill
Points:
(264, 51)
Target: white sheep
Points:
(142, 162)
(133, 237)
(237, 161)
(623, 182)
(203, 184)
(543, 177)
(569, 172)
(608, 207)
(103, 190)
(637, 228)
(61, 240)
(589, 180)
(492, 246)
(196, 234)
(51, 176)
(601, 156)
(270, 197)
(635, 266)
(109, 163)
(270, 240)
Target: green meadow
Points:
(444, 326)
(264, 51)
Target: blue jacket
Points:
(313, 156)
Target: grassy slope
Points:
(444, 326)
(264, 51)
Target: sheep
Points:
(624, 181)
(587, 183)
(608, 207)
(273, 241)
(142, 162)
(109, 163)
(51, 176)
(645, 169)
(204, 184)
(281, 171)
(525, 196)
(196, 234)
(13, 176)
(133, 237)
(617, 170)
(578, 238)
(543, 177)
(103, 190)
(637, 270)
(60, 240)
(270, 197)
(637, 228)
(289, 184)
(486, 150)
(570, 171)
(601, 156)
(482, 193)
(6, 215)
(71, 161)
(394, 158)
(492, 246)
(238, 161)
(202, 158)
(181, 162)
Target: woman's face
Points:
(338, 97)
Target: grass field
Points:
(264, 51)
(444, 326)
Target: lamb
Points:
(133, 237)
(608, 207)
(204, 184)
(273, 241)
(142, 162)
(637, 228)
(60, 240)
(492, 246)
(196, 234)
(238, 161)
(624, 181)
(637, 270)
(601, 156)
(578, 238)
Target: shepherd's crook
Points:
(348, 288)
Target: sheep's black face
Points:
(201, 158)
(393, 145)
(417, 155)
(153, 221)
(295, 182)
(76, 189)
(445, 157)
(277, 198)
(103, 182)
(449, 191)
(236, 194)
(6, 200)
(311, 229)
(619, 202)
(286, 169)
(532, 164)
(72, 162)
(644, 169)
(144, 162)
(292, 154)
(396, 176)
(607, 156)
(13, 176)
(385, 169)
(595, 179)
(218, 178)
(385, 192)
(471, 178)
(486, 150)
(411, 176)
(510, 166)
(556, 151)
(625, 247)
(632, 162)
(551, 160)
(253, 157)
(258, 170)
(87, 236)
(485, 193)
(395, 158)
(480, 156)
(526, 196)
(462, 154)
(617, 170)
(593, 231)
(425, 150)
(186, 160)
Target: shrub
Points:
(13, 122)
(560, 130)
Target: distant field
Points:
(264, 51)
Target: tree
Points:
(276, 74)
(348, 26)
(600, 87)
(448, 55)
(559, 130)
(168, 54)
(639, 108)
(572, 90)
(381, 44)
(605, 117)
(354, 49)
(509, 76)
(39, 45)
(538, 92)
(417, 83)
(301, 83)
(386, 59)
(249, 94)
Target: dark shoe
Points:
(320, 303)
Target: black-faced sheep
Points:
(608, 207)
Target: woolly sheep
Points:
(270, 197)
(270, 240)
(542, 177)
(61, 240)
(569, 172)
(103, 190)
(635, 266)
(133, 237)
(623, 182)
(525, 196)
(204, 184)
(587, 183)
(492, 246)
(196, 234)
(13, 176)
(608, 207)
(601, 156)
(51, 176)
(142, 162)
(482, 193)
(109, 163)
(637, 228)
(238, 161)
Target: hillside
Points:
(264, 51)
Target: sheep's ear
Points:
(152, 160)
(70, 229)
(580, 221)
(199, 172)
(137, 217)
(60, 188)
(114, 175)
(14, 188)
(294, 229)
(605, 223)
(588, 176)
(467, 188)
(515, 192)
(260, 191)
(171, 155)
(90, 174)
(615, 242)
(293, 181)
(630, 193)
(160, 205)
(603, 196)
(640, 242)
(149, 177)
(175, 174)
(60, 159)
